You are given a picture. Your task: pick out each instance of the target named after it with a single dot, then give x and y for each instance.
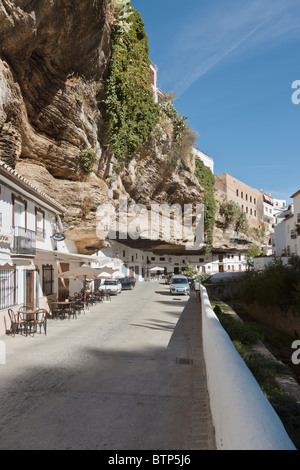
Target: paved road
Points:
(128, 375)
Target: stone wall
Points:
(286, 322)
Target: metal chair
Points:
(78, 306)
(56, 311)
(40, 320)
(24, 308)
(26, 318)
(15, 323)
(71, 311)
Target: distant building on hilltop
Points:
(207, 160)
(159, 96)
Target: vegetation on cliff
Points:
(131, 113)
(233, 214)
(207, 181)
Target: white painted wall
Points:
(243, 417)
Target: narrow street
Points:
(128, 375)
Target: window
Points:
(242, 195)
(237, 192)
(19, 214)
(250, 198)
(8, 287)
(48, 280)
(40, 223)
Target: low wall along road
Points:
(242, 416)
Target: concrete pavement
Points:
(128, 375)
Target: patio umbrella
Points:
(106, 270)
(157, 268)
(118, 275)
(105, 275)
(83, 273)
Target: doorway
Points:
(29, 289)
(63, 284)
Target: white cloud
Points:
(209, 36)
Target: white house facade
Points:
(141, 264)
(286, 239)
(33, 251)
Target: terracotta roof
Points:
(30, 186)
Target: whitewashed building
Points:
(286, 239)
(33, 251)
(272, 208)
(139, 263)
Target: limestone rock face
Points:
(52, 54)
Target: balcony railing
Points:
(24, 241)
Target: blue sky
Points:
(231, 65)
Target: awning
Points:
(61, 256)
(5, 259)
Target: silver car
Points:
(179, 285)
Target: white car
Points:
(112, 286)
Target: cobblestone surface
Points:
(128, 375)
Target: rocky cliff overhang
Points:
(54, 56)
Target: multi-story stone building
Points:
(248, 198)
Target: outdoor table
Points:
(63, 304)
(27, 317)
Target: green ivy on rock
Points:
(131, 113)
(207, 181)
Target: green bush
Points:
(207, 181)
(217, 310)
(234, 214)
(87, 159)
(278, 285)
(246, 333)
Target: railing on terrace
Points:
(24, 241)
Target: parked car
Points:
(127, 283)
(180, 285)
(132, 278)
(111, 285)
